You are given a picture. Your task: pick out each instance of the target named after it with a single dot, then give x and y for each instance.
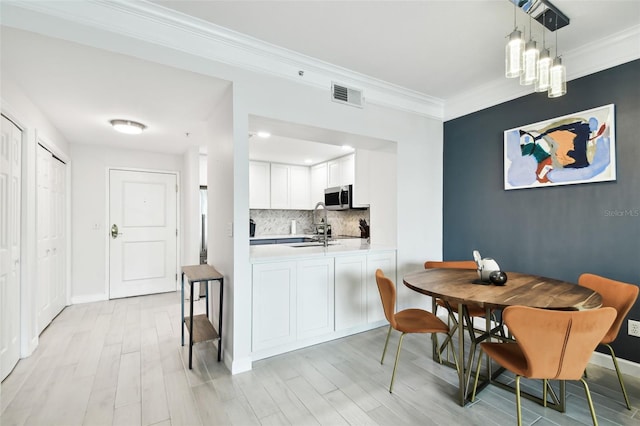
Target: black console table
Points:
(200, 327)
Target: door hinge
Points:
(176, 277)
(176, 232)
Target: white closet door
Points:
(10, 167)
(51, 287)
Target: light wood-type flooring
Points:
(120, 362)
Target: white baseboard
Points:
(626, 367)
(238, 365)
(89, 298)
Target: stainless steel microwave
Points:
(339, 197)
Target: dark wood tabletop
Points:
(457, 286)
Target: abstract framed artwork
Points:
(575, 148)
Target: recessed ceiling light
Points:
(127, 126)
(308, 161)
(263, 134)
(347, 147)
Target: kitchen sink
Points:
(312, 244)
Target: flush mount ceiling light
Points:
(526, 61)
(263, 134)
(127, 126)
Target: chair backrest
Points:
(617, 294)
(557, 344)
(388, 296)
(451, 264)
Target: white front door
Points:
(10, 165)
(143, 233)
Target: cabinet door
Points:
(347, 170)
(333, 173)
(350, 291)
(387, 262)
(280, 186)
(259, 185)
(273, 297)
(299, 187)
(318, 183)
(315, 297)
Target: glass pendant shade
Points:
(557, 79)
(530, 58)
(544, 64)
(513, 55)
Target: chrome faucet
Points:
(325, 228)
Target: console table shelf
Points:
(199, 326)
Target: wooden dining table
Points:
(461, 287)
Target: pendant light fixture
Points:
(557, 74)
(514, 50)
(544, 63)
(530, 58)
(526, 60)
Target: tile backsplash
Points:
(278, 222)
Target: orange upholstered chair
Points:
(620, 296)
(406, 321)
(550, 345)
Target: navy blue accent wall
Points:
(559, 231)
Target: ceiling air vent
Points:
(346, 95)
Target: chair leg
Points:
(393, 376)
(586, 391)
(384, 351)
(615, 364)
(518, 401)
(544, 392)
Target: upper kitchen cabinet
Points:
(289, 187)
(259, 185)
(341, 171)
(318, 183)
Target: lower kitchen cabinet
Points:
(315, 292)
(351, 291)
(300, 302)
(274, 304)
(387, 262)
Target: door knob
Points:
(114, 231)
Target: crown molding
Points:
(619, 48)
(158, 25)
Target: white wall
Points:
(220, 218)
(419, 162)
(190, 218)
(90, 227)
(18, 107)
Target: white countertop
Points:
(271, 252)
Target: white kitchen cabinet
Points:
(341, 171)
(259, 185)
(273, 304)
(350, 291)
(387, 262)
(289, 187)
(315, 297)
(299, 187)
(318, 183)
(333, 174)
(280, 186)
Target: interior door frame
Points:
(107, 226)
